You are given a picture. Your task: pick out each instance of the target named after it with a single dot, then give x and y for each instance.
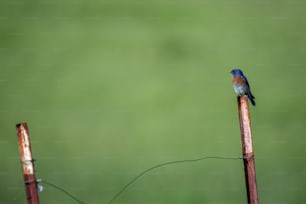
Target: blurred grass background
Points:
(110, 88)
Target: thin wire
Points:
(165, 164)
(63, 190)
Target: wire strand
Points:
(166, 164)
(63, 190)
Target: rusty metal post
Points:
(247, 149)
(27, 163)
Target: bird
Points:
(241, 84)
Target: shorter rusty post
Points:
(247, 149)
(27, 163)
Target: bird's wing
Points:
(246, 81)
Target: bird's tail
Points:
(252, 98)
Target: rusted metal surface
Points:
(27, 163)
(247, 149)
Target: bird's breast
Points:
(237, 79)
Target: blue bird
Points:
(241, 85)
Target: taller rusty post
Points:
(27, 163)
(247, 149)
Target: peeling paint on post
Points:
(247, 149)
(27, 163)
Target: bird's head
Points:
(236, 72)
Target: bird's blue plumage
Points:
(241, 84)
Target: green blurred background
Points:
(111, 88)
